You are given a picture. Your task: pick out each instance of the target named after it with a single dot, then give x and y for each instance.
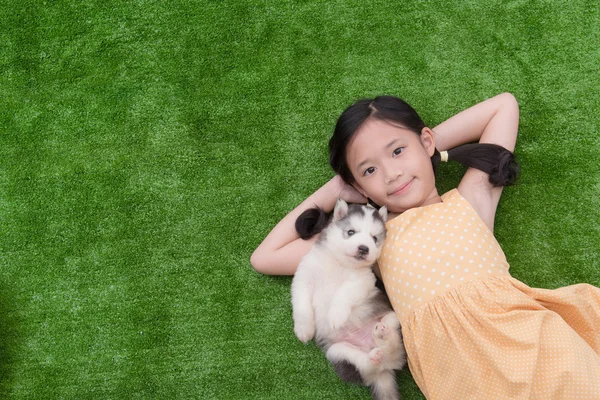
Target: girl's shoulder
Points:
(451, 194)
(455, 199)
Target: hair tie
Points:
(443, 156)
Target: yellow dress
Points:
(472, 331)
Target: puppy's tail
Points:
(385, 387)
(311, 222)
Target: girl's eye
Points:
(369, 171)
(398, 150)
(351, 232)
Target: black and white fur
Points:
(335, 300)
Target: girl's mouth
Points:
(402, 188)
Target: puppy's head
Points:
(356, 233)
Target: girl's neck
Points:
(434, 198)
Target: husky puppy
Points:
(335, 300)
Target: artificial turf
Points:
(146, 148)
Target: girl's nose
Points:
(392, 173)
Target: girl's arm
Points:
(281, 251)
(495, 120)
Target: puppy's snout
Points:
(363, 250)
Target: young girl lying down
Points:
(471, 330)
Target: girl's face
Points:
(392, 165)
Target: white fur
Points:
(333, 293)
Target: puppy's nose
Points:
(362, 249)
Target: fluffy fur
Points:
(335, 300)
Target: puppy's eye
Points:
(375, 239)
(351, 232)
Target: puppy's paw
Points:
(376, 355)
(304, 332)
(381, 331)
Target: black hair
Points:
(499, 163)
(311, 222)
(495, 160)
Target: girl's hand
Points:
(347, 192)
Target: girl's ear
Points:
(428, 140)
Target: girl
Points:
(471, 331)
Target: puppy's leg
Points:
(380, 333)
(391, 320)
(386, 330)
(302, 309)
(346, 352)
(387, 336)
(339, 312)
(376, 355)
(348, 295)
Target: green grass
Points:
(147, 147)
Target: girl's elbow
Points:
(261, 262)
(257, 262)
(510, 100)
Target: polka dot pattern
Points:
(473, 332)
(430, 250)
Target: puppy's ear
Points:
(383, 213)
(340, 210)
